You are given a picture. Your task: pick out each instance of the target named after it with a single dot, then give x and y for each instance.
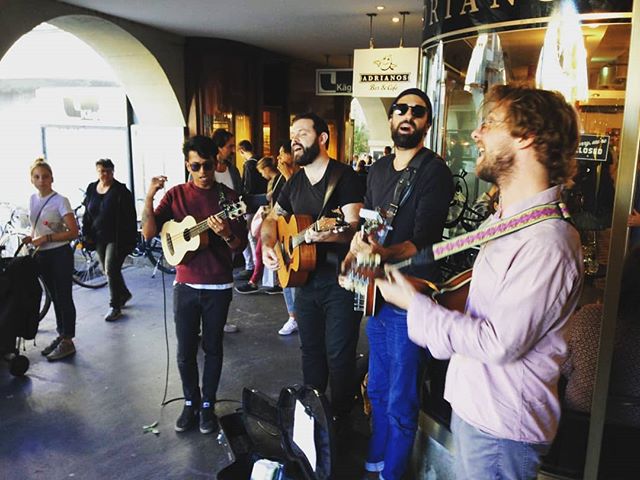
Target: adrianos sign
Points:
(447, 16)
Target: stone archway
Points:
(148, 63)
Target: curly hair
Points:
(549, 119)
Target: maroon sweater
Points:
(212, 265)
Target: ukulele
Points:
(361, 276)
(180, 240)
(295, 257)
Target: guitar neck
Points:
(298, 239)
(202, 226)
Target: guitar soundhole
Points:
(187, 235)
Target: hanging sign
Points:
(334, 81)
(594, 148)
(384, 72)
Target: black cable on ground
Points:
(166, 341)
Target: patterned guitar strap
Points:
(499, 229)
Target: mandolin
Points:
(180, 240)
(361, 276)
(295, 257)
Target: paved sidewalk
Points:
(83, 417)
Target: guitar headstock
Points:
(375, 221)
(235, 210)
(335, 225)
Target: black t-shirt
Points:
(421, 218)
(299, 197)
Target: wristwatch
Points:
(230, 238)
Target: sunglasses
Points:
(206, 166)
(417, 111)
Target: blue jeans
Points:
(191, 308)
(56, 268)
(394, 366)
(480, 455)
(289, 300)
(329, 330)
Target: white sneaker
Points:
(230, 328)
(289, 327)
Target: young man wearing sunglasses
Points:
(203, 285)
(416, 212)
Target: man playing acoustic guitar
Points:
(203, 284)
(413, 188)
(507, 347)
(327, 324)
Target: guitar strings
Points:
(192, 230)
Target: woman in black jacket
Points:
(110, 222)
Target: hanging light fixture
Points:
(404, 14)
(371, 15)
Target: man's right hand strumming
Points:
(269, 258)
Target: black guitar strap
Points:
(403, 189)
(334, 177)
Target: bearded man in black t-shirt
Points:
(394, 361)
(327, 324)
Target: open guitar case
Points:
(242, 435)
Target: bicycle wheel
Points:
(156, 257)
(9, 244)
(45, 301)
(87, 271)
(458, 204)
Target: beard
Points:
(495, 167)
(408, 140)
(309, 154)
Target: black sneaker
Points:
(188, 417)
(273, 290)
(247, 288)
(126, 298)
(113, 315)
(208, 419)
(243, 275)
(52, 346)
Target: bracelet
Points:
(49, 238)
(230, 238)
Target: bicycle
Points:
(87, 270)
(152, 249)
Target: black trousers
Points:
(111, 259)
(56, 268)
(196, 311)
(329, 330)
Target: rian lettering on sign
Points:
(459, 8)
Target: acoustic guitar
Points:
(361, 276)
(295, 257)
(180, 240)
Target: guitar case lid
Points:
(316, 407)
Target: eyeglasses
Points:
(206, 166)
(417, 111)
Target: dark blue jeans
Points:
(329, 330)
(111, 259)
(394, 366)
(480, 455)
(194, 311)
(56, 268)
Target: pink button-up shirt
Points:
(506, 350)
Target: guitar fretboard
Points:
(198, 228)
